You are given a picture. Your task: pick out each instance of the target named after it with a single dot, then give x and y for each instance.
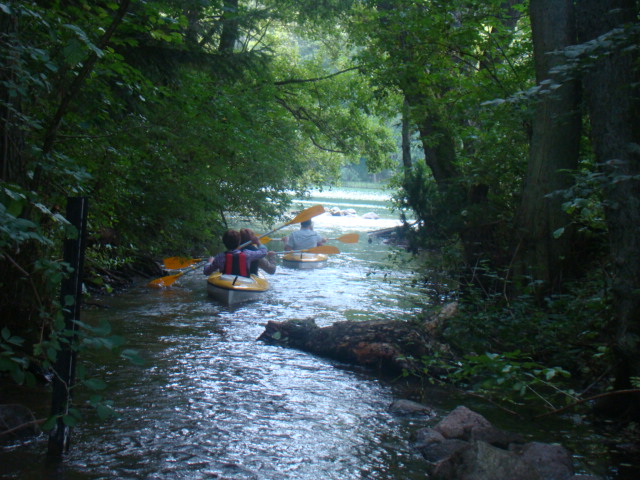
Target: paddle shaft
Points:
(306, 214)
(268, 233)
(347, 238)
(324, 249)
(287, 252)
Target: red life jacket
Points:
(236, 264)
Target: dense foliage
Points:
(522, 174)
(169, 116)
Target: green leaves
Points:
(94, 384)
(8, 338)
(74, 52)
(11, 360)
(496, 374)
(132, 356)
(166, 135)
(87, 342)
(83, 40)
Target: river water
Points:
(211, 402)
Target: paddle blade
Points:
(163, 282)
(307, 214)
(176, 263)
(349, 238)
(264, 240)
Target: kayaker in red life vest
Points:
(234, 261)
(304, 238)
(266, 263)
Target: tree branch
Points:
(583, 400)
(75, 86)
(317, 79)
(38, 421)
(317, 145)
(301, 114)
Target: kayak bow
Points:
(232, 289)
(304, 260)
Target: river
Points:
(213, 403)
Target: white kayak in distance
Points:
(232, 289)
(304, 260)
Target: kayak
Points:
(304, 260)
(232, 289)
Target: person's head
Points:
(306, 224)
(231, 239)
(246, 235)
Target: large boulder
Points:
(481, 461)
(439, 455)
(551, 460)
(461, 423)
(404, 407)
(466, 446)
(465, 424)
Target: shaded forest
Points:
(512, 127)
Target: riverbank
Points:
(120, 276)
(396, 348)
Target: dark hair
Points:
(306, 223)
(231, 239)
(246, 235)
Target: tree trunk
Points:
(76, 84)
(439, 148)
(406, 140)
(389, 346)
(554, 147)
(229, 34)
(614, 106)
(436, 138)
(12, 131)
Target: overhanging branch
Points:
(317, 79)
(325, 149)
(302, 115)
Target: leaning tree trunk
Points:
(230, 27)
(12, 120)
(554, 149)
(406, 140)
(614, 106)
(388, 346)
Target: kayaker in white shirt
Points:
(304, 238)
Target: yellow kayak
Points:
(232, 289)
(304, 260)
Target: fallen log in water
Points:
(386, 345)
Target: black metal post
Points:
(71, 287)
